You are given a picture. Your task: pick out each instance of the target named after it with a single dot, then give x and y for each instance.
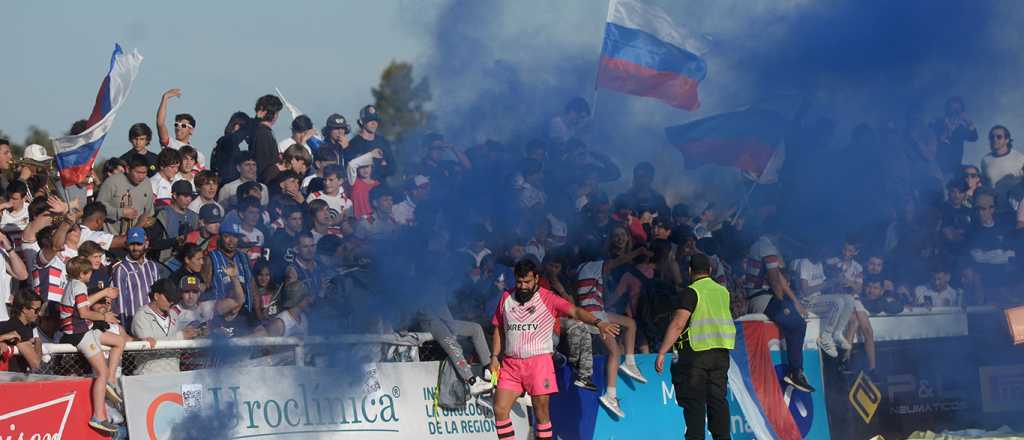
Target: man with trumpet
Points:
(128, 197)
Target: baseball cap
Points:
(36, 153)
(367, 114)
(336, 121)
(232, 228)
(136, 236)
(183, 187)
(211, 213)
(190, 283)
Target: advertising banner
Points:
(52, 409)
(652, 412)
(914, 387)
(392, 401)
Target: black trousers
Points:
(700, 381)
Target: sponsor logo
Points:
(38, 415)
(865, 397)
(310, 409)
(910, 394)
(1002, 388)
(800, 403)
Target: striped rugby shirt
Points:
(528, 326)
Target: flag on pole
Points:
(646, 54)
(748, 140)
(76, 154)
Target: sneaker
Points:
(113, 396)
(827, 346)
(843, 343)
(487, 374)
(632, 371)
(612, 404)
(798, 381)
(585, 383)
(102, 425)
(478, 386)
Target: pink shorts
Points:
(535, 375)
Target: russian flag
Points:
(645, 54)
(746, 139)
(76, 154)
(754, 384)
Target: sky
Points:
(324, 56)
(492, 62)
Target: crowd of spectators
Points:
(337, 230)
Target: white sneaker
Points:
(480, 386)
(842, 342)
(612, 404)
(632, 371)
(827, 346)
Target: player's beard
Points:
(524, 295)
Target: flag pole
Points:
(757, 182)
(597, 72)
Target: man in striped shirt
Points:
(224, 282)
(525, 317)
(133, 276)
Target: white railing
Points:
(64, 359)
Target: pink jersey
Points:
(528, 326)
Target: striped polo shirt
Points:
(133, 279)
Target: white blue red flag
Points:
(646, 54)
(76, 154)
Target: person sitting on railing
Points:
(189, 309)
(20, 331)
(77, 324)
(938, 293)
(160, 320)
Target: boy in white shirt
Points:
(333, 194)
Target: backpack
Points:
(451, 392)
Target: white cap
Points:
(420, 180)
(37, 153)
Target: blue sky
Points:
(324, 55)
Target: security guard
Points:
(702, 347)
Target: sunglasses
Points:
(181, 125)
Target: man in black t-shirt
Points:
(367, 140)
(22, 325)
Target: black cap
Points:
(336, 121)
(211, 213)
(243, 156)
(182, 187)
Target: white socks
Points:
(610, 392)
(630, 359)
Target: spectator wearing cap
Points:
(302, 131)
(160, 320)
(206, 236)
(207, 184)
(172, 221)
(249, 221)
(36, 161)
(335, 132)
(128, 197)
(167, 163)
(292, 321)
(140, 135)
(228, 271)
(190, 309)
(133, 276)
(246, 167)
(238, 128)
(367, 140)
(184, 127)
(416, 190)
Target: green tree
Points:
(400, 101)
(39, 136)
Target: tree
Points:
(39, 136)
(400, 101)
